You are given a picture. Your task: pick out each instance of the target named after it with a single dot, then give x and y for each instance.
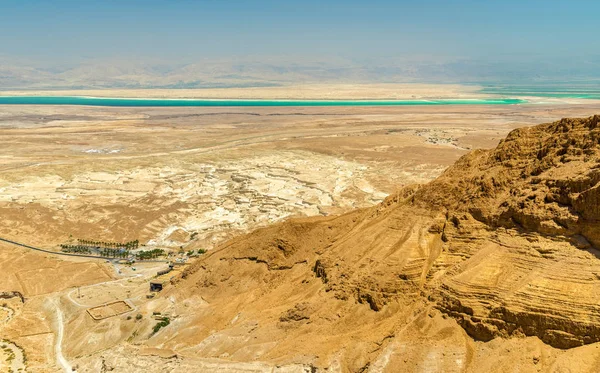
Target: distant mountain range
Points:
(215, 73)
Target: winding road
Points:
(60, 358)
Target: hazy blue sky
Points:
(185, 30)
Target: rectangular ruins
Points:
(109, 310)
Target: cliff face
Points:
(542, 179)
(537, 268)
(504, 243)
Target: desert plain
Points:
(184, 179)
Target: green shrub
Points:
(150, 254)
(164, 322)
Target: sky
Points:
(51, 32)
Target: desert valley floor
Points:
(185, 179)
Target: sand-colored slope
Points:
(388, 286)
(33, 273)
(29, 281)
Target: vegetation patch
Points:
(101, 248)
(150, 254)
(161, 324)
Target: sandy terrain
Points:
(27, 325)
(38, 324)
(165, 175)
(30, 272)
(311, 91)
(192, 177)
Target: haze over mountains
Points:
(276, 71)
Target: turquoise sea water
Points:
(588, 91)
(135, 102)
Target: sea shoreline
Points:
(183, 102)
